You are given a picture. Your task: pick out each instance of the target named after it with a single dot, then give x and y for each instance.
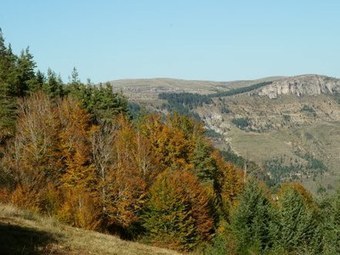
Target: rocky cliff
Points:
(301, 85)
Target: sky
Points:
(186, 39)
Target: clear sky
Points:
(189, 39)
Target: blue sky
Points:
(210, 40)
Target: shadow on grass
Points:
(22, 240)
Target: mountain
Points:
(288, 126)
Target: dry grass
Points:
(23, 232)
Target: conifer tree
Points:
(7, 91)
(251, 220)
(297, 227)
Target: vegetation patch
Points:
(241, 123)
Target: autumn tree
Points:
(35, 155)
(177, 214)
(169, 142)
(126, 186)
(78, 179)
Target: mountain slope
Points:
(23, 232)
(289, 126)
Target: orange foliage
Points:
(78, 179)
(126, 186)
(179, 213)
(231, 178)
(35, 157)
(169, 142)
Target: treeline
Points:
(191, 100)
(19, 79)
(74, 151)
(236, 91)
(185, 102)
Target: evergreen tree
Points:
(296, 227)
(251, 220)
(54, 85)
(26, 80)
(330, 206)
(8, 79)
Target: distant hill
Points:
(289, 126)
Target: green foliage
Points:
(54, 85)
(280, 170)
(191, 100)
(251, 220)
(309, 110)
(177, 214)
(204, 165)
(100, 101)
(330, 206)
(184, 103)
(296, 225)
(253, 169)
(241, 123)
(7, 90)
(236, 91)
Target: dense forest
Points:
(78, 153)
(184, 102)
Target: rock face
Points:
(301, 85)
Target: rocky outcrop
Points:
(300, 85)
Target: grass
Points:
(24, 232)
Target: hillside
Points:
(289, 126)
(23, 232)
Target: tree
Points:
(35, 155)
(79, 179)
(126, 186)
(170, 144)
(251, 220)
(297, 225)
(54, 85)
(8, 80)
(177, 213)
(26, 80)
(330, 206)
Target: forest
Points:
(78, 152)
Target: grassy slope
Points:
(22, 232)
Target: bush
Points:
(241, 122)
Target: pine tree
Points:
(8, 79)
(251, 220)
(25, 71)
(54, 85)
(297, 226)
